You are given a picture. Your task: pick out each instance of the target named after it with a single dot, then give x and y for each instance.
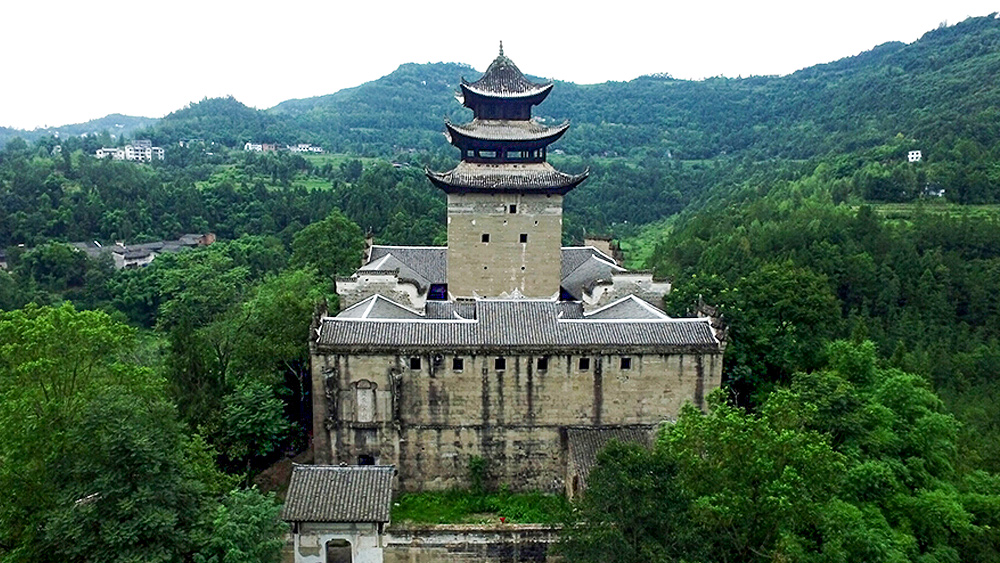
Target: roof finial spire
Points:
(501, 47)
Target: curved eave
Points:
(461, 136)
(566, 183)
(471, 96)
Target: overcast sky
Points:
(71, 61)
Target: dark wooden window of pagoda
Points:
(366, 459)
(543, 364)
(584, 364)
(626, 362)
(513, 208)
(415, 362)
(500, 364)
(486, 237)
(438, 292)
(457, 364)
(524, 237)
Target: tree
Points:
(633, 511)
(252, 424)
(245, 528)
(54, 364)
(125, 492)
(332, 246)
(852, 462)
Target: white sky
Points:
(68, 61)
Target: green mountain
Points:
(221, 120)
(115, 124)
(933, 89)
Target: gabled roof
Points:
(429, 264)
(327, 493)
(504, 80)
(585, 443)
(524, 324)
(573, 256)
(379, 307)
(586, 269)
(505, 130)
(628, 307)
(518, 178)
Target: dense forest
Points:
(860, 412)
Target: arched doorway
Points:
(339, 551)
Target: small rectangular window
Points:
(626, 362)
(584, 364)
(513, 208)
(500, 364)
(543, 364)
(486, 237)
(524, 237)
(415, 362)
(487, 154)
(457, 364)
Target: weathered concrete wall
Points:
(503, 264)
(365, 284)
(308, 543)
(431, 421)
(470, 544)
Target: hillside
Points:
(114, 124)
(931, 89)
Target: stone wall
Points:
(504, 264)
(470, 544)
(431, 420)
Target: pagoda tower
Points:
(504, 199)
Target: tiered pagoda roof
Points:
(503, 80)
(505, 130)
(503, 148)
(470, 177)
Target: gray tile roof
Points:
(379, 307)
(629, 307)
(573, 256)
(585, 443)
(593, 269)
(430, 263)
(504, 79)
(327, 493)
(521, 324)
(508, 130)
(477, 177)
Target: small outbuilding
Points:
(338, 514)
(585, 443)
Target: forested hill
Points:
(932, 89)
(115, 124)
